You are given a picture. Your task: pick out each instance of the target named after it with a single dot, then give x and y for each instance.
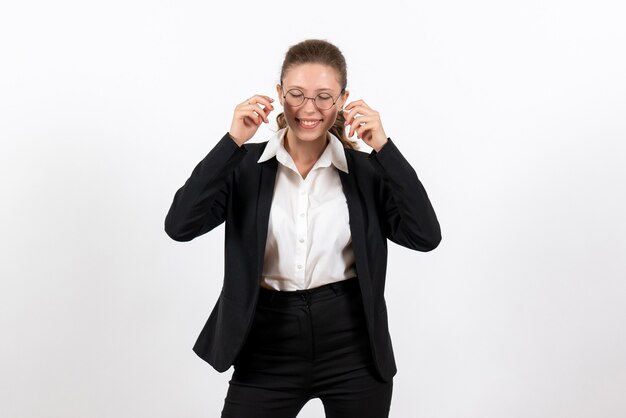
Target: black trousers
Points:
(307, 344)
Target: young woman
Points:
(302, 313)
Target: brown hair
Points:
(319, 51)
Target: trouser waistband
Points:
(269, 297)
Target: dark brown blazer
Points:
(385, 200)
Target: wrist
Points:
(379, 146)
(235, 140)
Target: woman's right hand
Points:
(248, 117)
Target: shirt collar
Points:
(333, 153)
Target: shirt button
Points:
(299, 266)
(302, 215)
(301, 239)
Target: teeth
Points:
(309, 123)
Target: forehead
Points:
(313, 77)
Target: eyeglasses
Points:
(323, 101)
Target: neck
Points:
(305, 152)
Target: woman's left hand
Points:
(366, 125)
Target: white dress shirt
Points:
(309, 243)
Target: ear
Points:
(344, 99)
(280, 94)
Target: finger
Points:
(252, 116)
(355, 103)
(353, 125)
(350, 114)
(256, 103)
(262, 96)
(256, 107)
(265, 100)
(363, 130)
(261, 112)
(366, 132)
(352, 122)
(364, 124)
(357, 123)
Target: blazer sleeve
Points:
(410, 219)
(200, 204)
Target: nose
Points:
(309, 104)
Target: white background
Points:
(512, 114)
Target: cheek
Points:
(329, 120)
(289, 116)
(288, 113)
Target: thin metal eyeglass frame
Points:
(313, 98)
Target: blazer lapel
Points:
(357, 231)
(264, 203)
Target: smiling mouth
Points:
(308, 123)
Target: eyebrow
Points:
(302, 88)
